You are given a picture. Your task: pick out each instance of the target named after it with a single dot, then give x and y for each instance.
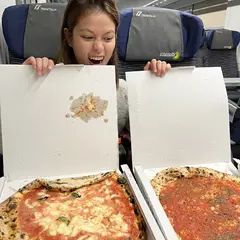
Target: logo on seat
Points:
(145, 15)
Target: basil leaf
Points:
(64, 219)
(76, 195)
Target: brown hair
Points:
(74, 10)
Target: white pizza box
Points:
(153, 230)
(41, 140)
(178, 120)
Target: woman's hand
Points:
(160, 68)
(41, 65)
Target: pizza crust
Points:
(171, 174)
(8, 219)
(71, 184)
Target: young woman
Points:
(88, 36)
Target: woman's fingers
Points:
(147, 66)
(46, 65)
(168, 67)
(153, 66)
(50, 64)
(39, 66)
(160, 68)
(42, 65)
(31, 61)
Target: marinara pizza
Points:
(88, 208)
(201, 203)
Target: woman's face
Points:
(93, 39)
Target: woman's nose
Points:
(98, 45)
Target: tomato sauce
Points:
(203, 208)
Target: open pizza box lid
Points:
(179, 120)
(41, 139)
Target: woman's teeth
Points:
(96, 60)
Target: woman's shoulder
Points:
(122, 86)
(122, 91)
(122, 101)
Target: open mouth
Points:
(96, 60)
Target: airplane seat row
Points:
(181, 39)
(144, 33)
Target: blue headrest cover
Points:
(222, 39)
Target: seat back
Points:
(147, 33)
(28, 33)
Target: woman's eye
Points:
(87, 37)
(108, 39)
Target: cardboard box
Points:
(179, 120)
(42, 140)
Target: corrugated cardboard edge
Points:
(2, 183)
(154, 204)
(150, 221)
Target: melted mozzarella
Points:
(85, 216)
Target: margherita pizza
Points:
(88, 208)
(202, 204)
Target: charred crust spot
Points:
(121, 180)
(60, 183)
(128, 192)
(136, 211)
(22, 235)
(131, 200)
(48, 187)
(105, 174)
(142, 227)
(13, 226)
(12, 206)
(43, 198)
(21, 190)
(180, 175)
(199, 171)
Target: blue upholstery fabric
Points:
(193, 33)
(123, 31)
(14, 24)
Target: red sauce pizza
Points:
(201, 203)
(93, 207)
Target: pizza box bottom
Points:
(143, 178)
(153, 232)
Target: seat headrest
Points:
(33, 29)
(150, 32)
(222, 39)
